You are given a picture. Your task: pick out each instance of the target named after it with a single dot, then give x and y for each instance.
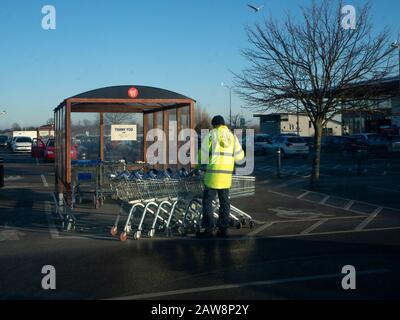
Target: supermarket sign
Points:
(123, 132)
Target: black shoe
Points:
(221, 233)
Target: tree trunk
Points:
(317, 156)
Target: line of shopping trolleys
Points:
(168, 201)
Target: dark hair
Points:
(218, 121)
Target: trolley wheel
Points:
(137, 235)
(238, 225)
(197, 230)
(151, 233)
(96, 202)
(114, 231)
(168, 232)
(123, 236)
(182, 231)
(251, 224)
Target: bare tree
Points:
(119, 118)
(237, 122)
(15, 127)
(312, 64)
(203, 119)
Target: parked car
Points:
(310, 142)
(10, 141)
(375, 143)
(260, 143)
(351, 145)
(3, 141)
(289, 145)
(394, 144)
(333, 143)
(47, 150)
(21, 144)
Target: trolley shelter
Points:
(156, 108)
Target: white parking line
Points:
(349, 205)
(334, 232)
(324, 200)
(384, 189)
(303, 195)
(260, 229)
(314, 226)
(44, 180)
(371, 217)
(49, 216)
(242, 285)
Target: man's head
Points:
(217, 121)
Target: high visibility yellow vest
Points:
(222, 148)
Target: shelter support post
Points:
(101, 136)
(145, 130)
(178, 130)
(192, 136)
(166, 138)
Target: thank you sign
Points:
(123, 132)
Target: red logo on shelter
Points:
(133, 92)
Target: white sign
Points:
(123, 132)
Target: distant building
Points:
(284, 123)
(382, 116)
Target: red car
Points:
(47, 151)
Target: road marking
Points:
(260, 229)
(303, 195)
(335, 232)
(49, 215)
(12, 178)
(242, 285)
(10, 234)
(384, 189)
(37, 161)
(286, 213)
(313, 227)
(349, 205)
(371, 217)
(324, 200)
(44, 180)
(280, 193)
(283, 185)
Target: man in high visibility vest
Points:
(220, 149)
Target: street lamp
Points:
(396, 45)
(230, 102)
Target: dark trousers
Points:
(224, 208)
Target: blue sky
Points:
(187, 46)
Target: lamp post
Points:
(396, 45)
(230, 102)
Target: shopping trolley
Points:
(85, 182)
(155, 194)
(242, 186)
